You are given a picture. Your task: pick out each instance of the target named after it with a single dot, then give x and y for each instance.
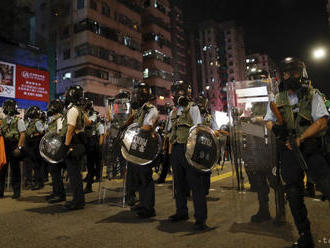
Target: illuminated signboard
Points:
(22, 82)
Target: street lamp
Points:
(319, 53)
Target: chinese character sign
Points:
(32, 84)
(7, 79)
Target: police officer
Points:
(139, 178)
(183, 116)
(13, 130)
(165, 156)
(92, 144)
(305, 115)
(34, 132)
(74, 145)
(258, 169)
(55, 118)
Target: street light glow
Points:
(319, 53)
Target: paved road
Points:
(31, 222)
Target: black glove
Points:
(64, 151)
(281, 131)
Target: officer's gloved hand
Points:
(65, 150)
(281, 131)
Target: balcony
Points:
(150, 19)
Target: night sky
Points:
(279, 28)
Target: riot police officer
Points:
(305, 117)
(92, 145)
(34, 132)
(184, 115)
(165, 161)
(55, 118)
(139, 178)
(13, 130)
(74, 145)
(258, 165)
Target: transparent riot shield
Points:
(253, 146)
(118, 111)
(247, 105)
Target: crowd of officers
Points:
(301, 106)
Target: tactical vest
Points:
(181, 125)
(303, 118)
(32, 129)
(139, 118)
(79, 124)
(52, 126)
(10, 130)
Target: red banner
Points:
(32, 84)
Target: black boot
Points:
(310, 190)
(305, 241)
(263, 213)
(17, 192)
(39, 185)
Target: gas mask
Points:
(292, 83)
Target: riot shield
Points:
(119, 110)
(253, 146)
(250, 140)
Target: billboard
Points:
(7, 79)
(32, 84)
(22, 82)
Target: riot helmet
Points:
(55, 107)
(181, 92)
(10, 107)
(141, 94)
(88, 105)
(33, 112)
(293, 74)
(74, 95)
(203, 104)
(123, 94)
(258, 74)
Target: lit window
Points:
(67, 75)
(211, 63)
(146, 73)
(204, 48)
(213, 80)
(247, 61)
(199, 61)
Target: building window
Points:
(66, 54)
(93, 4)
(80, 4)
(105, 9)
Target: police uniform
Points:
(11, 128)
(34, 131)
(91, 147)
(139, 178)
(182, 119)
(75, 117)
(58, 195)
(299, 113)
